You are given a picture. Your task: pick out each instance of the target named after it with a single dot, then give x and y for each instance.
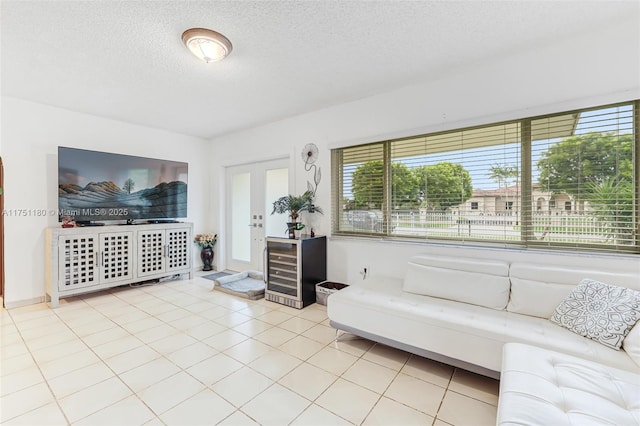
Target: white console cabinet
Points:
(163, 250)
(85, 259)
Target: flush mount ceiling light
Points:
(207, 45)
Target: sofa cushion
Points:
(631, 344)
(542, 387)
(482, 282)
(599, 311)
(537, 289)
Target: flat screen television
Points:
(98, 186)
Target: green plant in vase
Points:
(293, 205)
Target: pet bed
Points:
(248, 284)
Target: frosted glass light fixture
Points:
(208, 45)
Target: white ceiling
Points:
(125, 59)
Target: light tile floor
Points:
(178, 353)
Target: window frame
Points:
(525, 204)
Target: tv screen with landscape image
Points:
(100, 186)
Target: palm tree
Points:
(611, 202)
(295, 204)
(503, 173)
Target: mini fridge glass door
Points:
(282, 275)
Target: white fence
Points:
(564, 227)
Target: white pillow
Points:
(599, 311)
(481, 282)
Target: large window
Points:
(565, 180)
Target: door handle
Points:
(254, 225)
(265, 264)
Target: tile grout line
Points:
(381, 395)
(116, 375)
(182, 297)
(444, 395)
(45, 381)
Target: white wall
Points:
(31, 134)
(587, 70)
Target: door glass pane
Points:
(277, 185)
(241, 217)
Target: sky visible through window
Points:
(590, 121)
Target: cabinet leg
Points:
(54, 301)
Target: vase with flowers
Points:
(206, 242)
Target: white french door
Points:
(251, 191)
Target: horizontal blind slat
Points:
(466, 185)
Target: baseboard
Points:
(25, 302)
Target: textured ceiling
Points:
(125, 60)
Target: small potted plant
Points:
(294, 205)
(206, 242)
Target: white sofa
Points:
(462, 311)
(492, 317)
(543, 387)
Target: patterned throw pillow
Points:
(599, 311)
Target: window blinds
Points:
(565, 180)
(582, 184)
